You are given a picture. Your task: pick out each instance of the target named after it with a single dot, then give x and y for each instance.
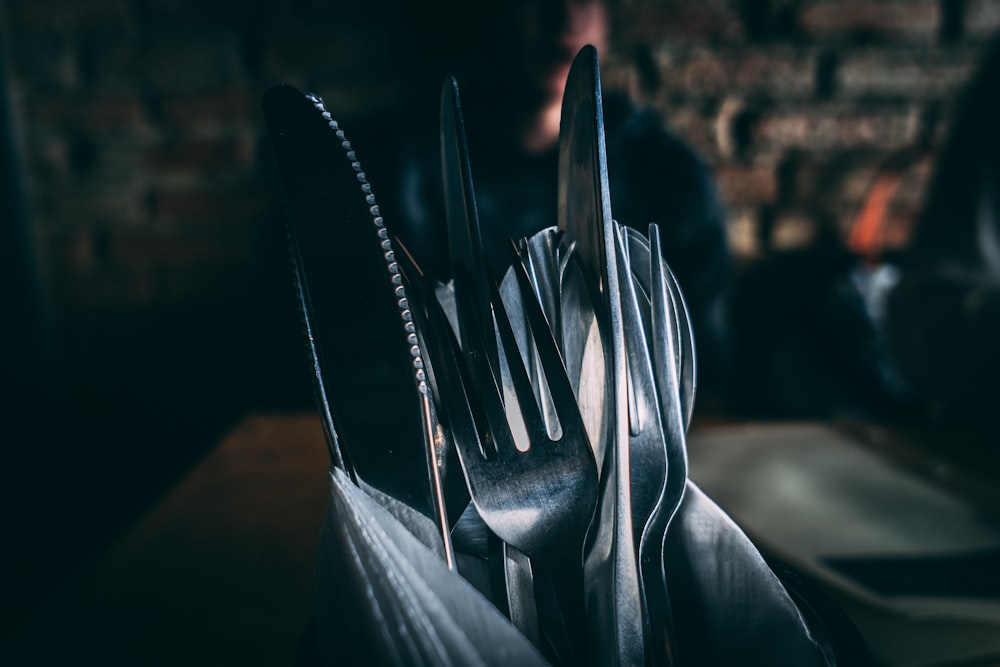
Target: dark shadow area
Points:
(85, 458)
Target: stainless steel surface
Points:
(541, 257)
(666, 301)
(731, 607)
(435, 441)
(541, 500)
(612, 582)
(564, 393)
(687, 358)
(654, 442)
(684, 353)
(474, 298)
(666, 342)
(584, 351)
(584, 204)
(647, 445)
(519, 585)
(652, 341)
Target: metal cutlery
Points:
(563, 394)
(684, 348)
(730, 607)
(476, 331)
(344, 261)
(665, 340)
(540, 500)
(584, 214)
(537, 498)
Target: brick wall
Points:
(155, 212)
(796, 103)
(146, 164)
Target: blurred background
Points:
(147, 295)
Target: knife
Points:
(584, 215)
(366, 356)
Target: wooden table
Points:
(220, 572)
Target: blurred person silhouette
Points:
(808, 322)
(944, 313)
(511, 60)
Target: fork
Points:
(541, 500)
(641, 254)
(667, 309)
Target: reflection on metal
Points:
(563, 394)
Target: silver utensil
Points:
(565, 392)
(476, 332)
(540, 255)
(651, 434)
(653, 344)
(666, 340)
(735, 609)
(684, 349)
(584, 214)
(540, 500)
(647, 447)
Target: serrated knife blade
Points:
(367, 362)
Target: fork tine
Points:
(466, 420)
(539, 253)
(469, 389)
(540, 501)
(461, 409)
(446, 374)
(481, 381)
(519, 378)
(550, 360)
